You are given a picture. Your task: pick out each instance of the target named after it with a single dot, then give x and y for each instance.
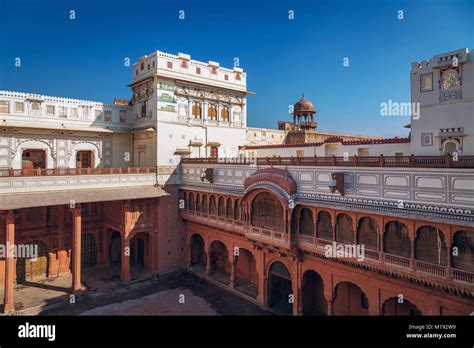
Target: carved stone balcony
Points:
(428, 273)
(402, 267)
(214, 221)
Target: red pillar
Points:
(232, 272)
(208, 261)
(8, 304)
(76, 248)
(62, 253)
(125, 273)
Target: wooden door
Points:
(84, 159)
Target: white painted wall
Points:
(309, 151)
(436, 114)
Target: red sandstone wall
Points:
(172, 247)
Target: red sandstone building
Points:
(260, 225)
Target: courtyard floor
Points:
(181, 293)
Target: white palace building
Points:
(83, 179)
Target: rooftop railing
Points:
(346, 161)
(9, 172)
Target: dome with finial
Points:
(303, 105)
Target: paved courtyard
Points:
(173, 294)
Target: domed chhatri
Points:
(303, 105)
(303, 114)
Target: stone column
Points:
(219, 107)
(204, 110)
(125, 271)
(125, 235)
(232, 273)
(449, 248)
(329, 300)
(8, 304)
(300, 301)
(76, 248)
(208, 261)
(412, 235)
(190, 253)
(62, 254)
(190, 109)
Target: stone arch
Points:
(197, 250)
(367, 233)
(221, 207)
(198, 202)
(344, 229)
(350, 299)
(84, 146)
(238, 213)
(52, 154)
(393, 306)
(34, 144)
(220, 259)
(191, 205)
(267, 212)
(430, 246)
(464, 242)
(212, 205)
(306, 222)
(396, 239)
(280, 288)
(324, 229)
(185, 197)
(451, 146)
(205, 204)
(246, 272)
(313, 299)
(229, 209)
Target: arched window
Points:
(196, 110)
(324, 226)
(396, 240)
(198, 202)
(221, 207)
(367, 233)
(212, 206)
(429, 245)
(230, 209)
(238, 215)
(464, 257)
(225, 113)
(191, 201)
(205, 205)
(212, 112)
(306, 224)
(267, 212)
(450, 147)
(344, 230)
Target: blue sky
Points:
(83, 58)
